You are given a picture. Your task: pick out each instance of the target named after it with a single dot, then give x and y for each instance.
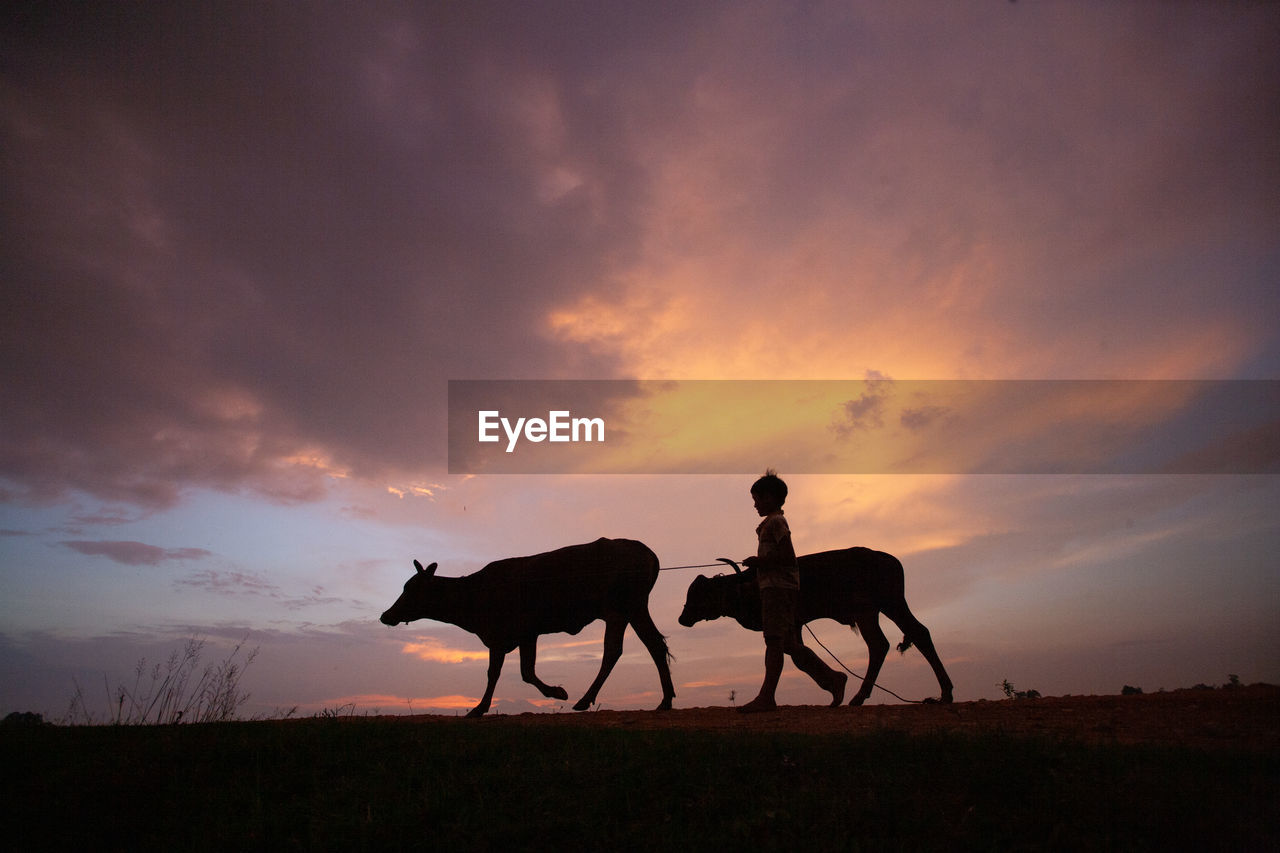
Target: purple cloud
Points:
(230, 583)
(918, 419)
(250, 256)
(135, 553)
(284, 250)
(866, 412)
(242, 583)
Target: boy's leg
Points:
(787, 611)
(765, 700)
(774, 613)
(807, 661)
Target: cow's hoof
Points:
(857, 700)
(476, 712)
(557, 693)
(583, 704)
(837, 689)
(665, 706)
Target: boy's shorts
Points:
(780, 612)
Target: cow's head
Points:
(411, 603)
(702, 601)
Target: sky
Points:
(249, 245)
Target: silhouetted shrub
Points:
(1011, 693)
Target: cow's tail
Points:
(654, 568)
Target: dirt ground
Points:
(1240, 718)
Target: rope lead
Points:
(854, 674)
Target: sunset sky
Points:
(248, 245)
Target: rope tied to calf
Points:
(696, 566)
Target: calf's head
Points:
(412, 602)
(700, 602)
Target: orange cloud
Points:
(361, 703)
(453, 701)
(318, 460)
(431, 649)
(573, 644)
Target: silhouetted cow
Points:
(509, 603)
(853, 586)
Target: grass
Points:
(172, 692)
(377, 784)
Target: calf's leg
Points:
(528, 657)
(614, 627)
(657, 646)
(877, 647)
(915, 633)
(495, 669)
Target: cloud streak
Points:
(135, 553)
(234, 583)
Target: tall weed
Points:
(172, 692)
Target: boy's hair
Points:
(771, 484)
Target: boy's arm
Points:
(773, 553)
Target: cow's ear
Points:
(429, 570)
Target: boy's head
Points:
(771, 487)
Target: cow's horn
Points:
(429, 570)
(736, 568)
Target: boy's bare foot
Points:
(757, 705)
(837, 689)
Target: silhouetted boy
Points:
(778, 577)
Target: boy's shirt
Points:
(779, 568)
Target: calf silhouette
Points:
(852, 586)
(509, 603)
